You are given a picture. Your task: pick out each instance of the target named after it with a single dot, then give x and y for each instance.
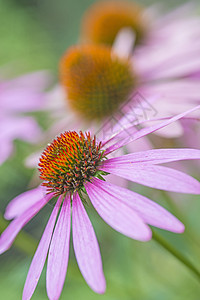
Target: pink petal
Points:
(150, 212)
(25, 128)
(36, 80)
(132, 135)
(116, 213)
(59, 252)
(39, 258)
(156, 156)
(15, 226)
(157, 177)
(86, 247)
(22, 100)
(22, 202)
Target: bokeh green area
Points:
(34, 34)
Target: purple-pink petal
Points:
(158, 177)
(10, 233)
(116, 213)
(59, 252)
(39, 258)
(150, 212)
(22, 202)
(86, 247)
(25, 128)
(155, 156)
(132, 135)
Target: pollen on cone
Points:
(68, 161)
(104, 19)
(96, 80)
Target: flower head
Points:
(96, 80)
(69, 161)
(104, 19)
(124, 210)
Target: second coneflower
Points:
(74, 167)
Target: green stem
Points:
(167, 246)
(23, 242)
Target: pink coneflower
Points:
(107, 72)
(18, 97)
(73, 168)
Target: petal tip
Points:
(101, 288)
(180, 228)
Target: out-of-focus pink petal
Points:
(186, 67)
(181, 89)
(150, 212)
(86, 247)
(22, 202)
(59, 252)
(116, 213)
(10, 233)
(155, 156)
(21, 100)
(39, 258)
(157, 177)
(32, 160)
(25, 128)
(37, 81)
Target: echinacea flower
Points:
(100, 84)
(18, 97)
(98, 80)
(73, 167)
(104, 19)
(166, 61)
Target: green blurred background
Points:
(33, 35)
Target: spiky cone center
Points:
(104, 19)
(69, 161)
(96, 80)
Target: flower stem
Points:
(167, 246)
(23, 242)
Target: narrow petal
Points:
(39, 258)
(132, 135)
(86, 247)
(158, 177)
(22, 202)
(59, 252)
(15, 226)
(116, 213)
(155, 156)
(150, 212)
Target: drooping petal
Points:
(59, 252)
(158, 177)
(86, 247)
(116, 213)
(155, 156)
(39, 258)
(150, 212)
(22, 202)
(10, 233)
